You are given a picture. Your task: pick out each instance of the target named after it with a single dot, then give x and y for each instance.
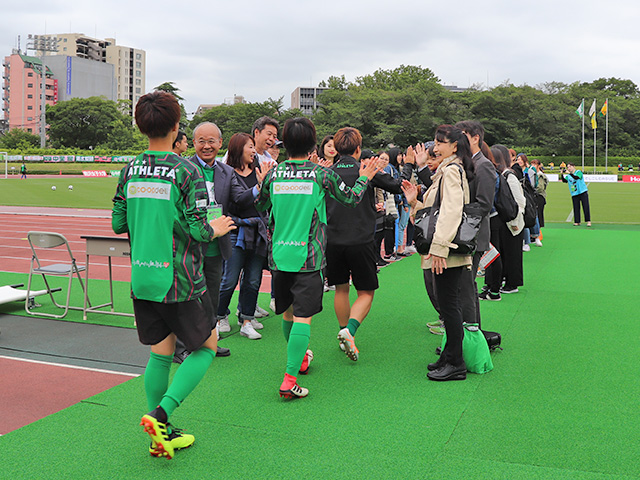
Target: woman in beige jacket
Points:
(452, 147)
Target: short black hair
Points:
(299, 136)
(473, 128)
(179, 138)
(157, 113)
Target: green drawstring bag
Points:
(475, 349)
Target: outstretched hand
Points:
(314, 157)
(410, 191)
(421, 155)
(324, 163)
(263, 170)
(371, 166)
(222, 225)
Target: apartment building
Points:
(22, 91)
(129, 64)
(306, 99)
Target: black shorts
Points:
(357, 262)
(303, 290)
(190, 321)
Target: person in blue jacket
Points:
(579, 193)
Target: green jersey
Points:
(295, 190)
(160, 202)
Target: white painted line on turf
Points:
(52, 364)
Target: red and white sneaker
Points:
(304, 368)
(296, 391)
(347, 341)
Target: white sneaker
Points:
(538, 242)
(526, 248)
(223, 325)
(272, 305)
(261, 312)
(254, 323)
(410, 249)
(248, 331)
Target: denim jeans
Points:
(401, 225)
(250, 264)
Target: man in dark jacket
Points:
(350, 239)
(482, 191)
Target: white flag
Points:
(592, 110)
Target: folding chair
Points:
(45, 240)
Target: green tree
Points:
(89, 122)
(171, 88)
(19, 139)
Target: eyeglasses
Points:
(207, 142)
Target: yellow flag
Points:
(604, 109)
(594, 125)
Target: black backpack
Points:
(504, 202)
(530, 209)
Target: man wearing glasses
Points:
(222, 188)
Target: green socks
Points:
(156, 378)
(187, 377)
(297, 347)
(286, 329)
(353, 326)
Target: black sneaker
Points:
(507, 289)
(487, 295)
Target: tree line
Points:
(401, 106)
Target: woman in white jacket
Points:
(451, 181)
(512, 233)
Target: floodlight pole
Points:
(43, 43)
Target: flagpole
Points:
(594, 148)
(583, 113)
(606, 138)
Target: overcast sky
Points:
(259, 49)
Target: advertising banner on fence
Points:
(32, 158)
(600, 178)
(115, 173)
(104, 159)
(59, 158)
(94, 173)
(123, 158)
(84, 158)
(631, 178)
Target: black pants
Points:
(213, 276)
(448, 291)
(511, 257)
(577, 200)
(493, 273)
(540, 203)
(429, 284)
(469, 292)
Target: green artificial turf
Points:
(561, 402)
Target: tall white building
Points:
(306, 99)
(129, 64)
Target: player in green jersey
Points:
(295, 191)
(160, 202)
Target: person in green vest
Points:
(295, 191)
(160, 202)
(23, 171)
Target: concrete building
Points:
(22, 91)
(129, 64)
(82, 78)
(306, 99)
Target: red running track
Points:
(15, 253)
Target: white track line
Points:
(98, 370)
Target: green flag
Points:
(580, 110)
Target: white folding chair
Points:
(45, 240)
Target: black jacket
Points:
(356, 226)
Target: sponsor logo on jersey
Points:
(299, 188)
(155, 190)
(150, 264)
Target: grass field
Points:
(610, 202)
